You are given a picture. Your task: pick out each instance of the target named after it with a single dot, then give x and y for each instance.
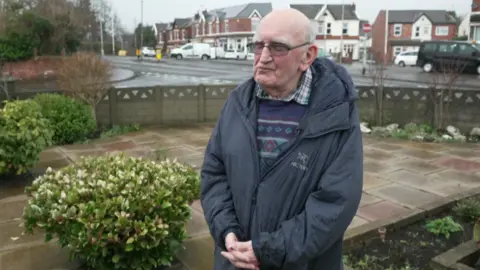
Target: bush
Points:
(71, 120)
(468, 209)
(115, 212)
(24, 134)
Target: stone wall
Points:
(202, 103)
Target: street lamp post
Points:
(141, 30)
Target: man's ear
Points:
(310, 56)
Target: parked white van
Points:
(217, 53)
(192, 50)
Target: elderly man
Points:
(283, 171)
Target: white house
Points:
(338, 28)
(470, 26)
(231, 27)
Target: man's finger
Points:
(242, 246)
(243, 265)
(229, 256)
(242, 256)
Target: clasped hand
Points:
(240, 254)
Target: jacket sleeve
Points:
(327, 215)
(216, 197)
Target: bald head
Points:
(291, 21)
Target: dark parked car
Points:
(458, 55)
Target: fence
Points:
(202, 103)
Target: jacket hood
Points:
(331, 86)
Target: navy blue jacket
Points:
(296, 213)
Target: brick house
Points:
(337, 26)
(180, 32)
(408, 28)
(230, 27)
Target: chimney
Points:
(353, 6)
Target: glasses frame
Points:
(289, 48)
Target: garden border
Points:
(451, 258)
(367, 231)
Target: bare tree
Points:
(377, 72)
(442, 83)
(85, 77)
(4, 77)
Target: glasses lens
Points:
(278, 49)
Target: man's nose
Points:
(265, 56)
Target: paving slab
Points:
(377, 154)
(372, 180)
(198, 253)
(372, 166)
(368, 199)
(357, 221)
(468, 179)
(464, 153)
(419, 154)
(381, 211)
(54, 164)
(119, 146)
(433, 147)
(197, 225)
(404, 195)
(459, 164)
(435, 185)
(387, 147)
(419, 166)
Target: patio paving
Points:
(399, 176)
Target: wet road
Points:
(171, 71)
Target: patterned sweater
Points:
(278, 120)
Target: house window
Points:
(175, 35)
(329, 28)
(441, 31)
(218, 27)
(210, 28)
(426, 30)
(397, 30)
(417, 31)
(202, 28)
(227, 29)
(345, 29)
(255, 22)
(397, 50)
(184, 33)
(320, 28)
(348, 50)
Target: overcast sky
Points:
(166, 10)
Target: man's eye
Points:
(279, 47)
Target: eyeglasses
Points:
(275, 48)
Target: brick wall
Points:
(240, 25)
(406, 32)
(478, 6)
(378, 34)
(452, 32)
(174, 104)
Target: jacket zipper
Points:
(254, 150)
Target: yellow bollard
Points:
(159, 55)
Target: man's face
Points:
(279, 55)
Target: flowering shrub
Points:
(24, 134)
(115, 212)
